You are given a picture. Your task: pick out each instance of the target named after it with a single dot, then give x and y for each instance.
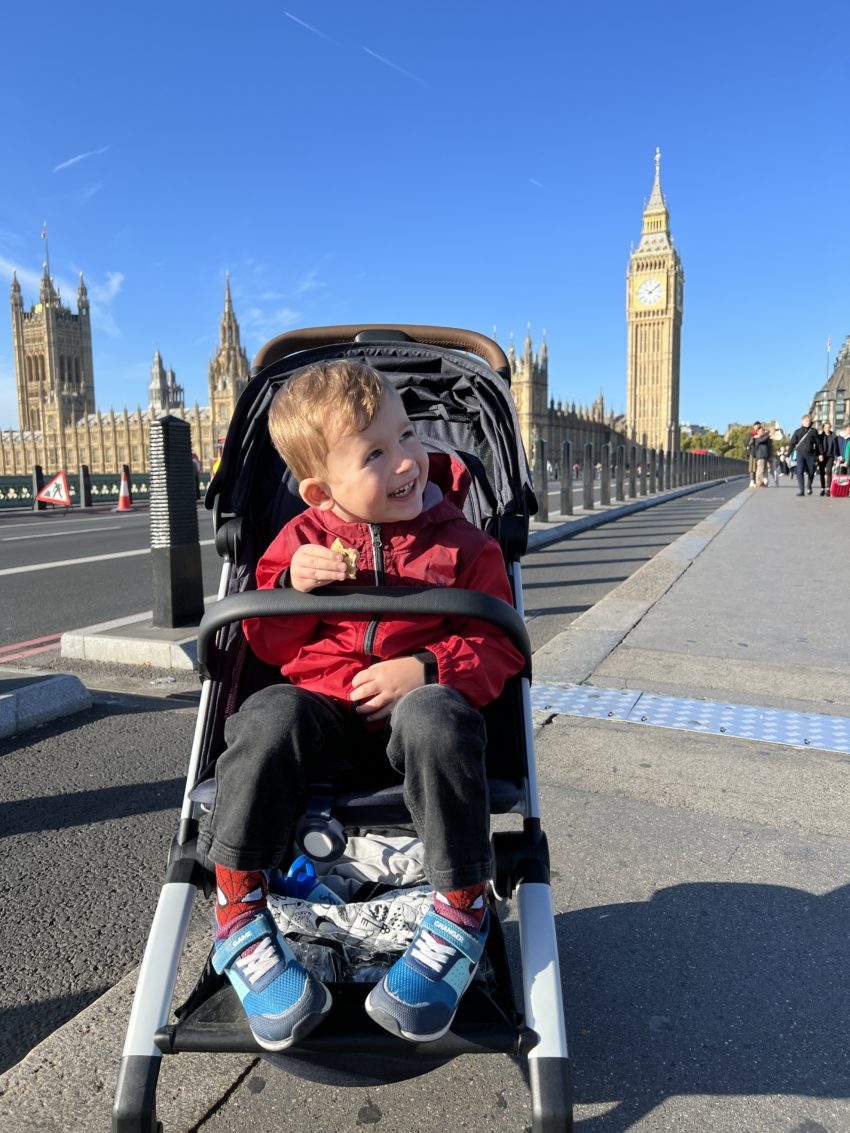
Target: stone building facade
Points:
(60, 427)
(832, 401)
(540, 417)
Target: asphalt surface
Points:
(700, 881)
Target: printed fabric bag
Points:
(840, 485)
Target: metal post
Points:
(541, 481)
(37, 485)
(668, 471)
(632, 472)
(178, 590)
(605, 476)
(587, 477)
(566, 478)
(85, 486)
(619, 483)
(652, 470)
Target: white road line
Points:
(53, 534)
(87, 559)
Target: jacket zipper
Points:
(378, 563)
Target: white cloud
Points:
(263, 325)
(308, 283)
(79, 157)
(101, 295)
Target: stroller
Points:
(454, 384)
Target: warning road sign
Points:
(56, 492)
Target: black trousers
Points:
(805, 464)
(282, 737)
(825, 472)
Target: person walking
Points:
(828, 452)
(751, 452)
(804, 441)
(763, 452)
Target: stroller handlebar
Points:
(453, 338)
(362, 602)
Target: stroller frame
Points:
(537, 1032)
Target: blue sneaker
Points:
(282, 1000)
(418, 997)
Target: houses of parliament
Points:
(61, 428)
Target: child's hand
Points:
(314, 565)
(378, 689)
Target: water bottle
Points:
(301, 881)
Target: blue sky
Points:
(475, 164)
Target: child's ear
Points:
(315, 493)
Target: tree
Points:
(707, 440)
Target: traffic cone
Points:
(125, 502)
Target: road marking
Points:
(53, 534)
(29, 653)
(34, 641)
(87, 559)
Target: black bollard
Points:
(37, 485)
(587, 477)
(541, 480)
(85, 486)
(619, 483)
(566, 478)
(178, 590)
(605, 475)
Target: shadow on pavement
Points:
(82, 808)
(711, 989)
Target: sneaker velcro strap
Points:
(454, 934)
(226, 951)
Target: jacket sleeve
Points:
(477, 659)
(276, 640)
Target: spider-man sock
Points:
(465, 907)
(240, 895)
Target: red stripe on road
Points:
(35, 641)
(29, 653)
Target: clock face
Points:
(650, 292)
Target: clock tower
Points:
(655, 286)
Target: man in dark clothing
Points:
(763, 452)
(805, 441)
(828, 451)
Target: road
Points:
(62, 571)
(87, 804)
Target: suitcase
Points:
(840, 485)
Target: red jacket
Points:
(438, 548)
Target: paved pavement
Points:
(691, 733)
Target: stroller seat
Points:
(455, 386)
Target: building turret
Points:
(229, 371)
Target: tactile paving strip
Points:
(742, 721)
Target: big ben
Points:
(655, 285)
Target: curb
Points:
(542, 538)
(571, 656)
(40, 700)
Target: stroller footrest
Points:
(219, 1025)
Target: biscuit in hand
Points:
(350, 555)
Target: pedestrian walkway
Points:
(700, 877)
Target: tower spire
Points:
(656, 217)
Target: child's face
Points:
(378, 475)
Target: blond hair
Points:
(320, 404)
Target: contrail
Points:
(394, 66)
(79, 157)
(309, 27)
